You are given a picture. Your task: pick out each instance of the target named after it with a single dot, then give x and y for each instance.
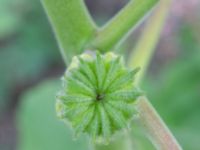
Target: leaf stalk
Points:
(157, 131)
(118, 28)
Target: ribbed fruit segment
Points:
(98, 95)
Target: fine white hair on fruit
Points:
(98, 95)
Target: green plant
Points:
(76, 32)
(92, 95)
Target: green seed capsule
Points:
(98, 95)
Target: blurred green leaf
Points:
(8, 24)
(10, 17)
(176, 96)
(39, 128)
(28, 54)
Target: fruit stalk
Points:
(155, 127)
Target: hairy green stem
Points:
(113, 32)
(145, 48)
(72, 25)
(158, 132)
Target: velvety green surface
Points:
(98, 95)
(71, 23)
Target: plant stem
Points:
(113, 32)
(72, 25)
(145, 48)
(159, 134)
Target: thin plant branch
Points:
(72, 25)
(156, 129)
(144, 50)
(113, 32)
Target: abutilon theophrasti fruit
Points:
(98, 95)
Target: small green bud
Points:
(98, 95)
